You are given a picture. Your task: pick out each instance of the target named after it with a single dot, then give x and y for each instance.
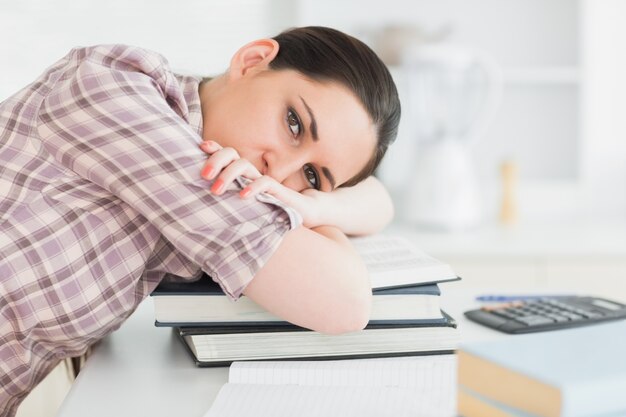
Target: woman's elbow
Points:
(351, 316)
(385, 207)
(389, 213)
(388, 208)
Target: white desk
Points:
(141, 370)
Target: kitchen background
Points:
(558, 117)
(511, 158)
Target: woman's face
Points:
(303, 133)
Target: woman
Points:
(102, 194)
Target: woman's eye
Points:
(312, 176)
(293, 122)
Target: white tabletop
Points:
(553, 238)
(142, 370)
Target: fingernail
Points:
(245, 192)
(207, 172)
(217, 185)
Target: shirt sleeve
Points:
(116, 116)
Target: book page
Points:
(424, 386)
(384, 253)
(390, 258)
(420, 372)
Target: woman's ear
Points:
(254, 56)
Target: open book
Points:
(420, 386)
(394, 261)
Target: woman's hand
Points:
(224, 165)
(363, 209)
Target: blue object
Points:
(523, 297)
(581, 372)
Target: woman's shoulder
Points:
(129, 70)
(121, 57)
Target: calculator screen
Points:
(606, 304)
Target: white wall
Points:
(195, 35)
(562, 116)
(539, 120)
(604, 106)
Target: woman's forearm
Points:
(317, 280)
(363, 209)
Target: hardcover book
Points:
(576, 372)
(404, 283)
(204, 303)
(471, 404)
(218, 345)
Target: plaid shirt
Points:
(100, 197)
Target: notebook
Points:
(422, 386)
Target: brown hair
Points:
(325, 54)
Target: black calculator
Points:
(542, 314)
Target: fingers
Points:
(261, 185)
(225, 165)
(240, 167)
(266, 184)
(210, 146)
(219, 160)
(304, 203)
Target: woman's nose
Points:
(286, 165)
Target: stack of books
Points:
(406, 315)
(579, 372)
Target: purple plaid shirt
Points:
(100, 197)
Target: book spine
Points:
(506, 386)
(472, 404)
(577, 398)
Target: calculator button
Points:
(581, 312)
(559, 318)
(504, 313)
(562, 305)
(556, 303)
(535, 320)
(515, 312)
(487, 318)
(572, 316)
